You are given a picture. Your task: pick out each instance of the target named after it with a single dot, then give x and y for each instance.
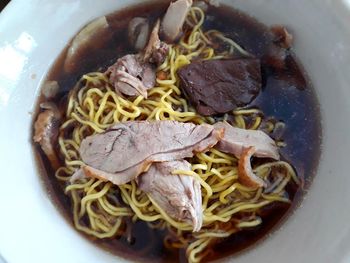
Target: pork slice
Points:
(174, 19)
(236, 140)
(127, 144)
(178, 195)
(118, 178)
(203, 146)
(131, 76)
(129, 174)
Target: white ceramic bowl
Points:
(32, 34)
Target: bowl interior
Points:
(29, 46)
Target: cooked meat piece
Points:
(131, 76)
(236, 141)
(117, 178)
(127, 149)
(84, 42)
(219, 86)
(138, 32)
(246, 175)
(178, 195)
(156, 50)
(282, 37)
(130, 143)
(46, 131)
(174, 19)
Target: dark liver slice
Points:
(219, 86)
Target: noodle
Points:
(228, 206)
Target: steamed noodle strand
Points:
(102, 209)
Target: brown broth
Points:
(287, 96)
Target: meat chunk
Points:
(236, 141)
(282, 37)
(46, 131)
(127, 149)
(156, 50)
(178, 195)
(131, 76)
(219, 86)
(138, 32)
(174, 19)
(246, 175)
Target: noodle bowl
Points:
(101, 209)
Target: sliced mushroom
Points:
(85, 41)
(174, 19)
(246, 175)
(138, 32)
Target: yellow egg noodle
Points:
(93, 106)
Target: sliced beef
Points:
(127, 149)
(236, 141)
(46, 129)
(174, 19)
(178, 195)
(219, 86)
